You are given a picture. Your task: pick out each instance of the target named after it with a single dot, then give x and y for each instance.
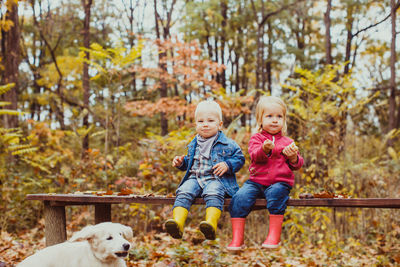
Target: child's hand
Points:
(290, 152)
(268, 145)
(177, 161)
(220, 168)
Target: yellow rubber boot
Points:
(174, 226)
(209, 226)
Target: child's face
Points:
(207, 123)
(273, 118)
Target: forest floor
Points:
(159, 249)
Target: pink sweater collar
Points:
(278, 135)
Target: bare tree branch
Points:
(376, 24)
(264, 20)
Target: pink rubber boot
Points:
(274, 232)
(237, 234)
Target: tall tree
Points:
(264, 71)
(134, 29)
(393, 87)
(224, 22)
(351, 9)
(35, 61)
(10, 53)
(87, 4)
(260, 44)
(163, 33)
(328, 41)
(51, 46)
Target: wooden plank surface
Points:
(81, 199)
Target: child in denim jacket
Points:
(273, 159)
(210, 165)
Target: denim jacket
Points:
(223, 149)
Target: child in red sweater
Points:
(273, 159)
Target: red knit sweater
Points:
(275, 167)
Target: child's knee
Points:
(240, 196)
(277, 191)
(276, 206)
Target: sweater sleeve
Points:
(298, 164)
(256, 152)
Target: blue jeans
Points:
(213, 194)
(276, 195)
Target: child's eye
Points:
(109, 238)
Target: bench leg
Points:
(102, 213)
(54, 224)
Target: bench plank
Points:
(54, 207)
(71, 199)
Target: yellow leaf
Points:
(392, 153)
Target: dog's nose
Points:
(126, 246)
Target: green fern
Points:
(11, 139)
(3, 103)
(5, 88)
(22, 149)
(36, 165)
(10, 136)
(10, 112)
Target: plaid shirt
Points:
(202, 169)
(224, 150)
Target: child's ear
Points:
(220, 125)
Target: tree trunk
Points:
(259, 65)
(56, 107)
(224, 11)
(10, 51)
(349, 28)
(299, 33)
(328, 45)
(161, 58)
(85, 81)
(259, 59)
(392, 97)
(216, 57)
(131, 37)
(268, 66)
(343, 118)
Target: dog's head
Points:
(108, 241)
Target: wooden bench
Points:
(54, 207)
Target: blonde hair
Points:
(263, 102)
(209, 105)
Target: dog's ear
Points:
(127, 232)
(86, 233)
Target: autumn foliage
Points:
(140, 103)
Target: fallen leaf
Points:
(125, 192)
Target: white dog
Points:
(100, 245)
